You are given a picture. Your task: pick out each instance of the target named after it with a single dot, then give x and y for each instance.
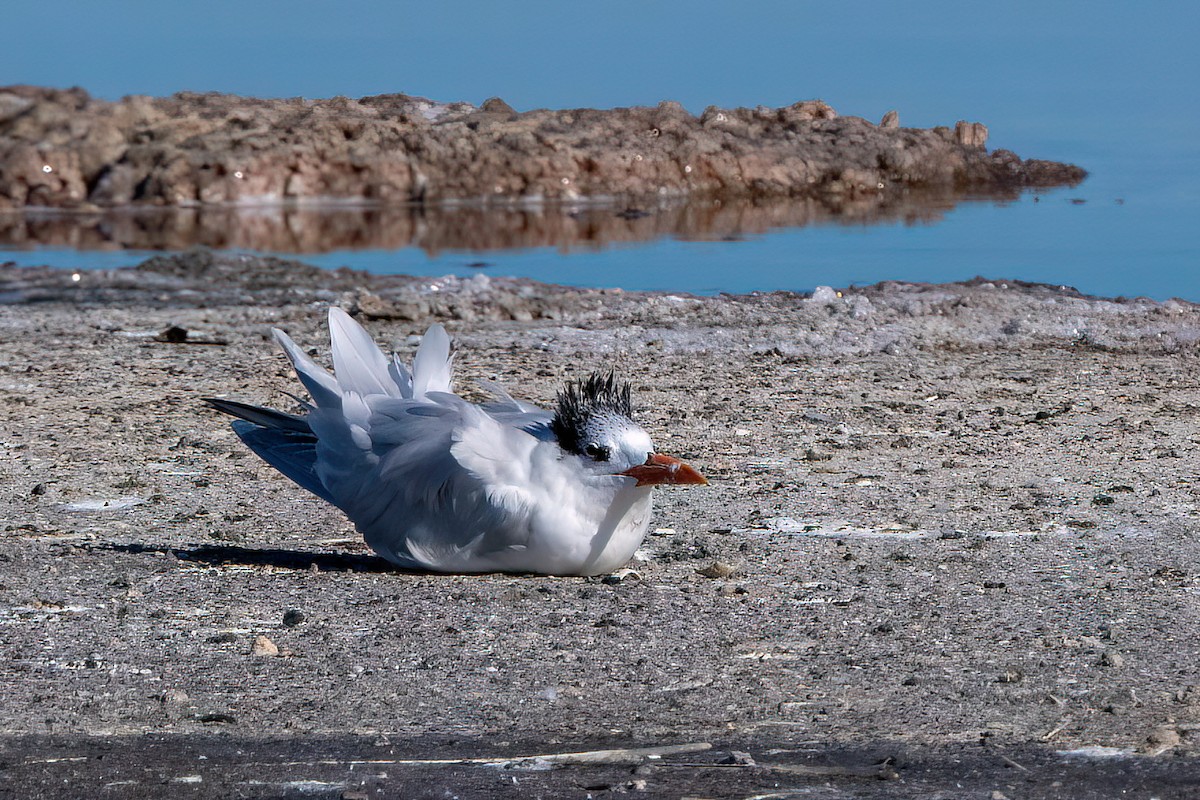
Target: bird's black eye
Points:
(597, 452)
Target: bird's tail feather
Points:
(291, 452)
(433, 363)
(260, 416)
(358, 363)
(322, 386)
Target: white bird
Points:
(437, 483)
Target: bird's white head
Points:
(593, 419)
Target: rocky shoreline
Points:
(65, 149)
(948, 524)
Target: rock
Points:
(70, 150)
(825, 295)
(1112, 658)
(174, 335)
(717, 569)
(738, 758)
(263, 647)
(292, 617)
(175, 697)
(890, 120)
(971, 134)
(1161, 740)
(621, 576)
(1011, 675)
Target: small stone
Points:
(1011, 675)
(1103, 500)
(176, 697)
(373, 306)
(717, 569)
(890, 120)
(812, 454)
(175, 335)
(264, 647)
(1161, 740)
(621, 576)
(1111, 658)
(739, 758)
(38, 489)
(824, 295)
(292, 617)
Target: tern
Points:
(436, 483)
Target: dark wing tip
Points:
(263, 417)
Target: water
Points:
(1110, 86)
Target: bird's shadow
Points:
(223, 555)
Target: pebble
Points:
(1161, 740)
(175, 697)
(1111, 658)
(292, 617)
(1011, 675)
(264, 647)
(621, 576)
(717, 569)
(738, 757)
(175, 335)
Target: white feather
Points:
(433, 363)
(357, 361)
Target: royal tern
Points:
(435, 482)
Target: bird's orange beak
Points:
(664, 469)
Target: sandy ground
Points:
(949, 549)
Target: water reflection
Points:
(435, 229)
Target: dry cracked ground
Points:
(949, 549)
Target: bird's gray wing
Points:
(515, 413)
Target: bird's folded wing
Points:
(501, 457)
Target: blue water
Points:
(1110, 86)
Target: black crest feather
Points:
(582, 399)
